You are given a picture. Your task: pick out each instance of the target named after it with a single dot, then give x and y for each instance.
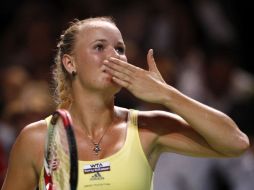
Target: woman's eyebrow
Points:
(98, 40)
(104, 40)
(121, 43)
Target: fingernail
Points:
(105, 61)
(151, 52)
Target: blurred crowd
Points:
(199, 49)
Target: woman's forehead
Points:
(97, 24)
(94, 29)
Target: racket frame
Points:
(67, 124)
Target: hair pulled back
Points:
(61, 77)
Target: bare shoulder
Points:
(29, 144)
(156, 122)
(34, 132)
(155, 118)
(26, 157)
(156, 114)
(122, 112)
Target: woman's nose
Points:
(113, 53)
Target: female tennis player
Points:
(118, 148)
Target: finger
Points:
(121, 82)
(151, 62)
(117, 74)
(123, 64)
(117, 67)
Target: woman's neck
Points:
(92, 114)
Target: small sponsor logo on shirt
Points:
(96, 176)
(95, 168)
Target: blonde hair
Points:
(63, 79)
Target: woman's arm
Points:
(25, 158)
(200, 130)
(218, 130)
(170, 133)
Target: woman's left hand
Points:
(146, 85)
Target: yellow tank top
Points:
(128, 169)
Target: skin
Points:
(102, 70)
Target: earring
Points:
(73, 73)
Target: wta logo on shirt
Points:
(98, 167)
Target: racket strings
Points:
(59, 161)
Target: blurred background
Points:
(202, 47)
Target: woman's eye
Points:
(120, 50)
(99, 47)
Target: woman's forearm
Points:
(219, 130)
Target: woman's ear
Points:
(69, 64)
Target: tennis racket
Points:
(60, 156)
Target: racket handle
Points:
(48, 181)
